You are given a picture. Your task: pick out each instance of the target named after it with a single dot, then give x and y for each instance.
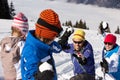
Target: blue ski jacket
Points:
(33, 51)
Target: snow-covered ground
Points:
(91, 14)
(63, 62)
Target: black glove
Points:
(82, 61)
(104, 65)
(45, 75)
(63, 40)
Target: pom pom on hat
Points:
(110, 38)
(79, 34)
(20, 21)
(48, 24)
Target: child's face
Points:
(19, 32)
(24, 31)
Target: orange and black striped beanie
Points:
(48, 24)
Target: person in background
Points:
(11, 47)
(39, 47)
(81, 54)
(103, 28)
(111, 57)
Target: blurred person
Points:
(11, 47)
(103, 28)
(111, 57)
(81, 55)
(37, 62)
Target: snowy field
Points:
(63, 62)
(92, 15)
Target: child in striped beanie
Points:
(11, 48)
(20, 22)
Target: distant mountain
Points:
(101, 3)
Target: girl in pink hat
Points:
(11, 47)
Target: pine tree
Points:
(118, 30)
(4, 10)
(69, 23)
(80, 24)
(12, 9)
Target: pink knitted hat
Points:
(20, 21)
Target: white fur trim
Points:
(45, 66)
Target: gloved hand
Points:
(69, 30)
(104, 65)
(81, 60)
(45, 71)
(64, 38)
(45, 75)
